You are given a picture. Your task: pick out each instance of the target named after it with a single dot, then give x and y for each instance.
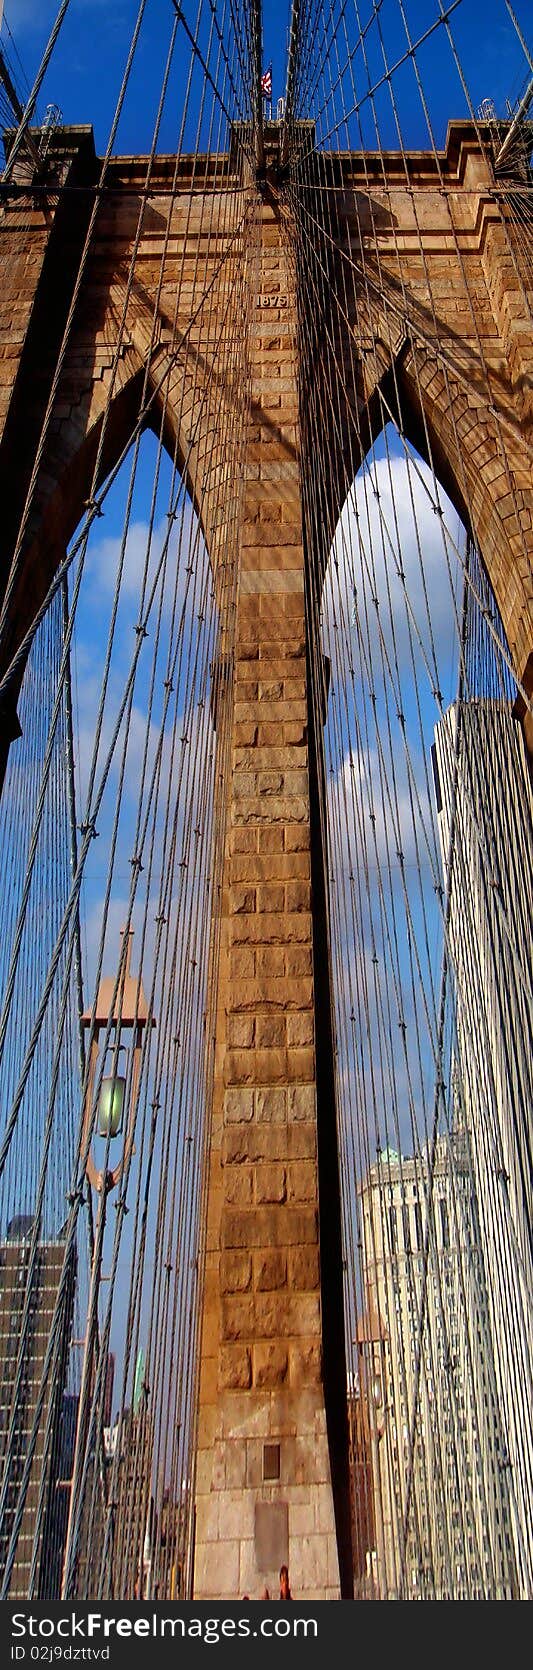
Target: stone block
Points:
(302, 1458)
(296, 782)
(325, 1516)
(270, 1367)
(238, 1186)
(270, 1184)
(268, 1141)
(301, 1102)
(301, 1065)
(277, 1066)
(293, 1316)
(238, 1317)
(270, 810)
(242, 963)
(236, 1519)
(300, 1029)
(271, 1105)
(242, 899)
(270, 1271)
(302, 1181)
(269, 1226)
(265, 713)
(304, 1271)
(247, 648)
(245, 734)
(206, 1527)
(203, 1472)
(207, 1429)
(249, 1581)
(251, 867)
(235, 1272)
(243, 840)
(243, 784)
(306, 1364)
(302, 1520)
(333, 1567)
(235, 1470)
(270, 840)
(274, 755)
(219, 1467)
(313, 1557)
(239, 1104)
(295, 688)
(297, 835)
(241, 1031)
(234, 1371)
(269, 994)
(271, 867)
(271, 897)
(293, 733)
(254, 1462)
(298, 962)
(240, 1068)
(225, 1562)
(270, 960)
(274, 928)
(298, 895)
(270, 1031)
(268, 735)
(271, 783)
(270, 691)
(209, 1381)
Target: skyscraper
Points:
(485, 814)
(28, 1293)
(441, 1507)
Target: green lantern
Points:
(111, 1106)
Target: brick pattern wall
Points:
(261, 1377)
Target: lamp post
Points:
(120, 1008)
(371, 1343)
(130, 1013)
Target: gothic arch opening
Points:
(428, 822)
(110, 835)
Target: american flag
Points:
(266, 83)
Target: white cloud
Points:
(104, 554)
(388, 528)
(149, 750)
(376, 820)
(379, 795)
(142, 559)
(173, 594)
(174, 882)
(166, 778)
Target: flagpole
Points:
(257, 33)
(266, 90)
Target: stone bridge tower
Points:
(437, 272)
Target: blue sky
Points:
(84, 74)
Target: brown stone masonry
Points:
(261, 1374)
(440, 324)
(440, 297)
